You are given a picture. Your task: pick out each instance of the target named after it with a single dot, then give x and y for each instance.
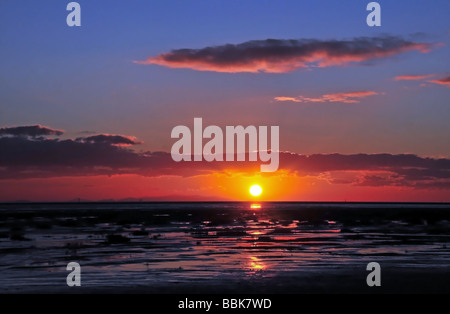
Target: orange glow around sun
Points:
(235, 185)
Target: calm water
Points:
(169, 247)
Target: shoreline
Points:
(217, 248)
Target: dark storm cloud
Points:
(30, 130)
(398, 170)
(338, 162)
(283, 55)
(119, 140)
(25, 153)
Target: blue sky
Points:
(363, 103)
(80, 79)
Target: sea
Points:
(225, 247)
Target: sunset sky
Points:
(87, 112)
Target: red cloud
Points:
(282, 98)
(350, 97)
(280, 56)
(443, 81)
(413, 77)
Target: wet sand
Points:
(224, 247)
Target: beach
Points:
(225, 247)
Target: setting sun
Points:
(255, 190)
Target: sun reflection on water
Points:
(256, 264)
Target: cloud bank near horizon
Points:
(40, 157)
(285, 55)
